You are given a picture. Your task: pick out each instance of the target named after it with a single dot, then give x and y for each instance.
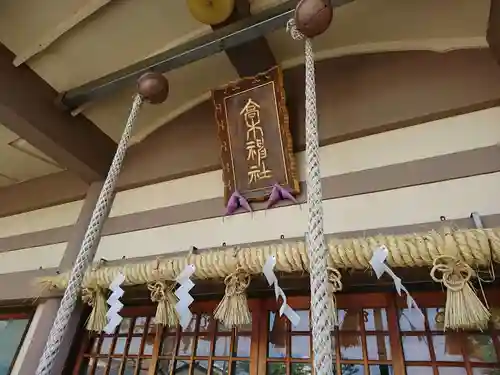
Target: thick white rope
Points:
(90, 241)
(321, 306)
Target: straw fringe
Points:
(233, 310)
(470, 248)
(163, 295)
(97, 319)
(43, 287)
(476, 247)
(463, 310)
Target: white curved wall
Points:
(417, 204)
(33, 258)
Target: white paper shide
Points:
(286, 310)
(380, 267)
(115, 305)
(182, 293)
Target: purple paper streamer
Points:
(237, 201)
(279, 193)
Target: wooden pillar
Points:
(33, 345)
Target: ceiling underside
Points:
(121, 32)
(19, 161)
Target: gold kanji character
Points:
(251, 114)
(262, 151)
(255, 173)
(255, 131)
(256, 151)
(265, 172)
(251, 150)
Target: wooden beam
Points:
(39, 45)
(398, 97)
(41, 192)
(206, 45)
(493, 33)
(252, 57)
(27, 108)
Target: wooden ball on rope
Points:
(211, 12)
(153, 87)
(313, 17)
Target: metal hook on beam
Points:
(478, 222)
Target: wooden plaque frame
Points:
(266, 94)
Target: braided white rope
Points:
(91, 239)
(321, 307)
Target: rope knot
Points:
(291, 27)
(162, 294)
(89, 296)
(463, 310)
(454, 273)
(334, 278)
(334, 286)
(237, 283)
(158, 291)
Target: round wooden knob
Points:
(211, 12)
(153, 87)
(312, 17)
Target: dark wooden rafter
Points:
(27, 108)
(493, 33)
(252, 57)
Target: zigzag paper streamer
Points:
(115, 305)
(380, 267)
(185, 299)
(286, 310)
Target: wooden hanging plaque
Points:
(256, 144)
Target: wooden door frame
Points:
(260, 311)
(18, 314)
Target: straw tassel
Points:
(463, 310)
(334, 286)
(163, 295)
(233, 309)
(478, 246)
(94, 297)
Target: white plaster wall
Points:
(42, 219)
(418, 204)
(32, 258)
(453, 199)
(446, 136)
